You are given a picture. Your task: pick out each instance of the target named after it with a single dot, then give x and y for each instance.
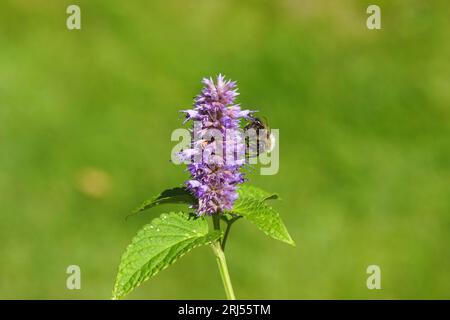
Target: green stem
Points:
(223, 269)
(227, 230)
(222, 263)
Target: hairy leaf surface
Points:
(251, 205)
(158, 245)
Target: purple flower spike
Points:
(215, 175)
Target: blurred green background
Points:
(364, 119)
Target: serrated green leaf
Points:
(175, 195)
(257, 193)
(158, 245)
(251, 206)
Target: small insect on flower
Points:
(259, 138)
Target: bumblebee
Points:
(264, 139)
